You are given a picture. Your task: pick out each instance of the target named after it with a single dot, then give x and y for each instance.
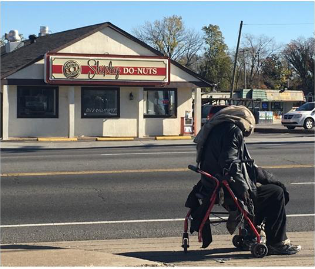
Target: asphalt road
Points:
(83, 194)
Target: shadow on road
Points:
(219, 255)
(28, 149)
(30, 247)
(23, 149)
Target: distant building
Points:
(274, 101)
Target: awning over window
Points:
(272, 95)
(285, 96)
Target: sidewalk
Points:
(151, 252)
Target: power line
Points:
(297, 23)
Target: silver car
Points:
(304, 116)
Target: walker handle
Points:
(193, 168)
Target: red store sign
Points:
(63, 68)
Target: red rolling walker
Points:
(258, 249)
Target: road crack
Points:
(16, 180)
(100, 195)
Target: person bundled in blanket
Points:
(219, 142)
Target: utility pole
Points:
(235, 61)
(258, 71)
(244, 50)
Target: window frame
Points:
(175, 103)
(86, 88)
(56, 88)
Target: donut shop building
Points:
(95, 81)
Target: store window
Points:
(100, 102)
(160, 103)
(37, 102)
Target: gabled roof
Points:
(33, 52)
(30, 53)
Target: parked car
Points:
(208, 111)
(304, 116)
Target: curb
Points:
(20, 139)
(56, 139)
(273, 130)
(115, 139)
(78, 139)
(178, 137)
(173, 137)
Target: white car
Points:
(304, 116)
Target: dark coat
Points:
(224, 144)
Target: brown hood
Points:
(239, 115)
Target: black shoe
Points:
(283, 249)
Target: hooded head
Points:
(240, 115)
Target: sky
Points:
(282, 20)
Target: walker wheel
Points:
(238, 241)
(185, 241)
(185, 245)
(259, 250)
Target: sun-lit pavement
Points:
(151, 252)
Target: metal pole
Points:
(258, 72)
(235, 61)
(245, 86)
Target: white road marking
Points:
(147, 153)
(303, 183)
(301, 215)
(121, 221)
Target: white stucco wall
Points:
(125, 125)
(34, 71)
(107, 41)
(178, 75)
(37, 127)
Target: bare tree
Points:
(193, 45)
(300, 56)
(170, 37)
(256, 50)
